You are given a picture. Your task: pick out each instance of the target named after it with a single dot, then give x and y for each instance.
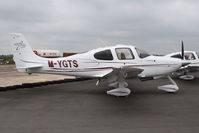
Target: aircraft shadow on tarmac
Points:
(137, 87)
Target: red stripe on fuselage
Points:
(136, 66)
(125, 66)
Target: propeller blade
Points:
(182, 52)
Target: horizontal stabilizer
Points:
(30, 66)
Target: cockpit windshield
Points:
(142, 53)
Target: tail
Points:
(24, 56)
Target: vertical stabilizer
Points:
(24, 56)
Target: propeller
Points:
(182, 52)
(185, 63)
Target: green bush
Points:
(6, 59)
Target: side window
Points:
(177, 56)
(104, 55)
(124, 54)
(189, 56)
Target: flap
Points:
(126, 72)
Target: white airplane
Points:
(116, 63)
(189, 56)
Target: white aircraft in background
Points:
(116, 63)
(189, 56)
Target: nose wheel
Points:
(171, 87)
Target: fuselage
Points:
(96, 63)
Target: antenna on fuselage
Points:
(103, 42)
(182, 51)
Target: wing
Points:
(191, 67)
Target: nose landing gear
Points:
(171, 87)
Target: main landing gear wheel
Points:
(119, 92)
(120, 86)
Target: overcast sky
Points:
(157, 26)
